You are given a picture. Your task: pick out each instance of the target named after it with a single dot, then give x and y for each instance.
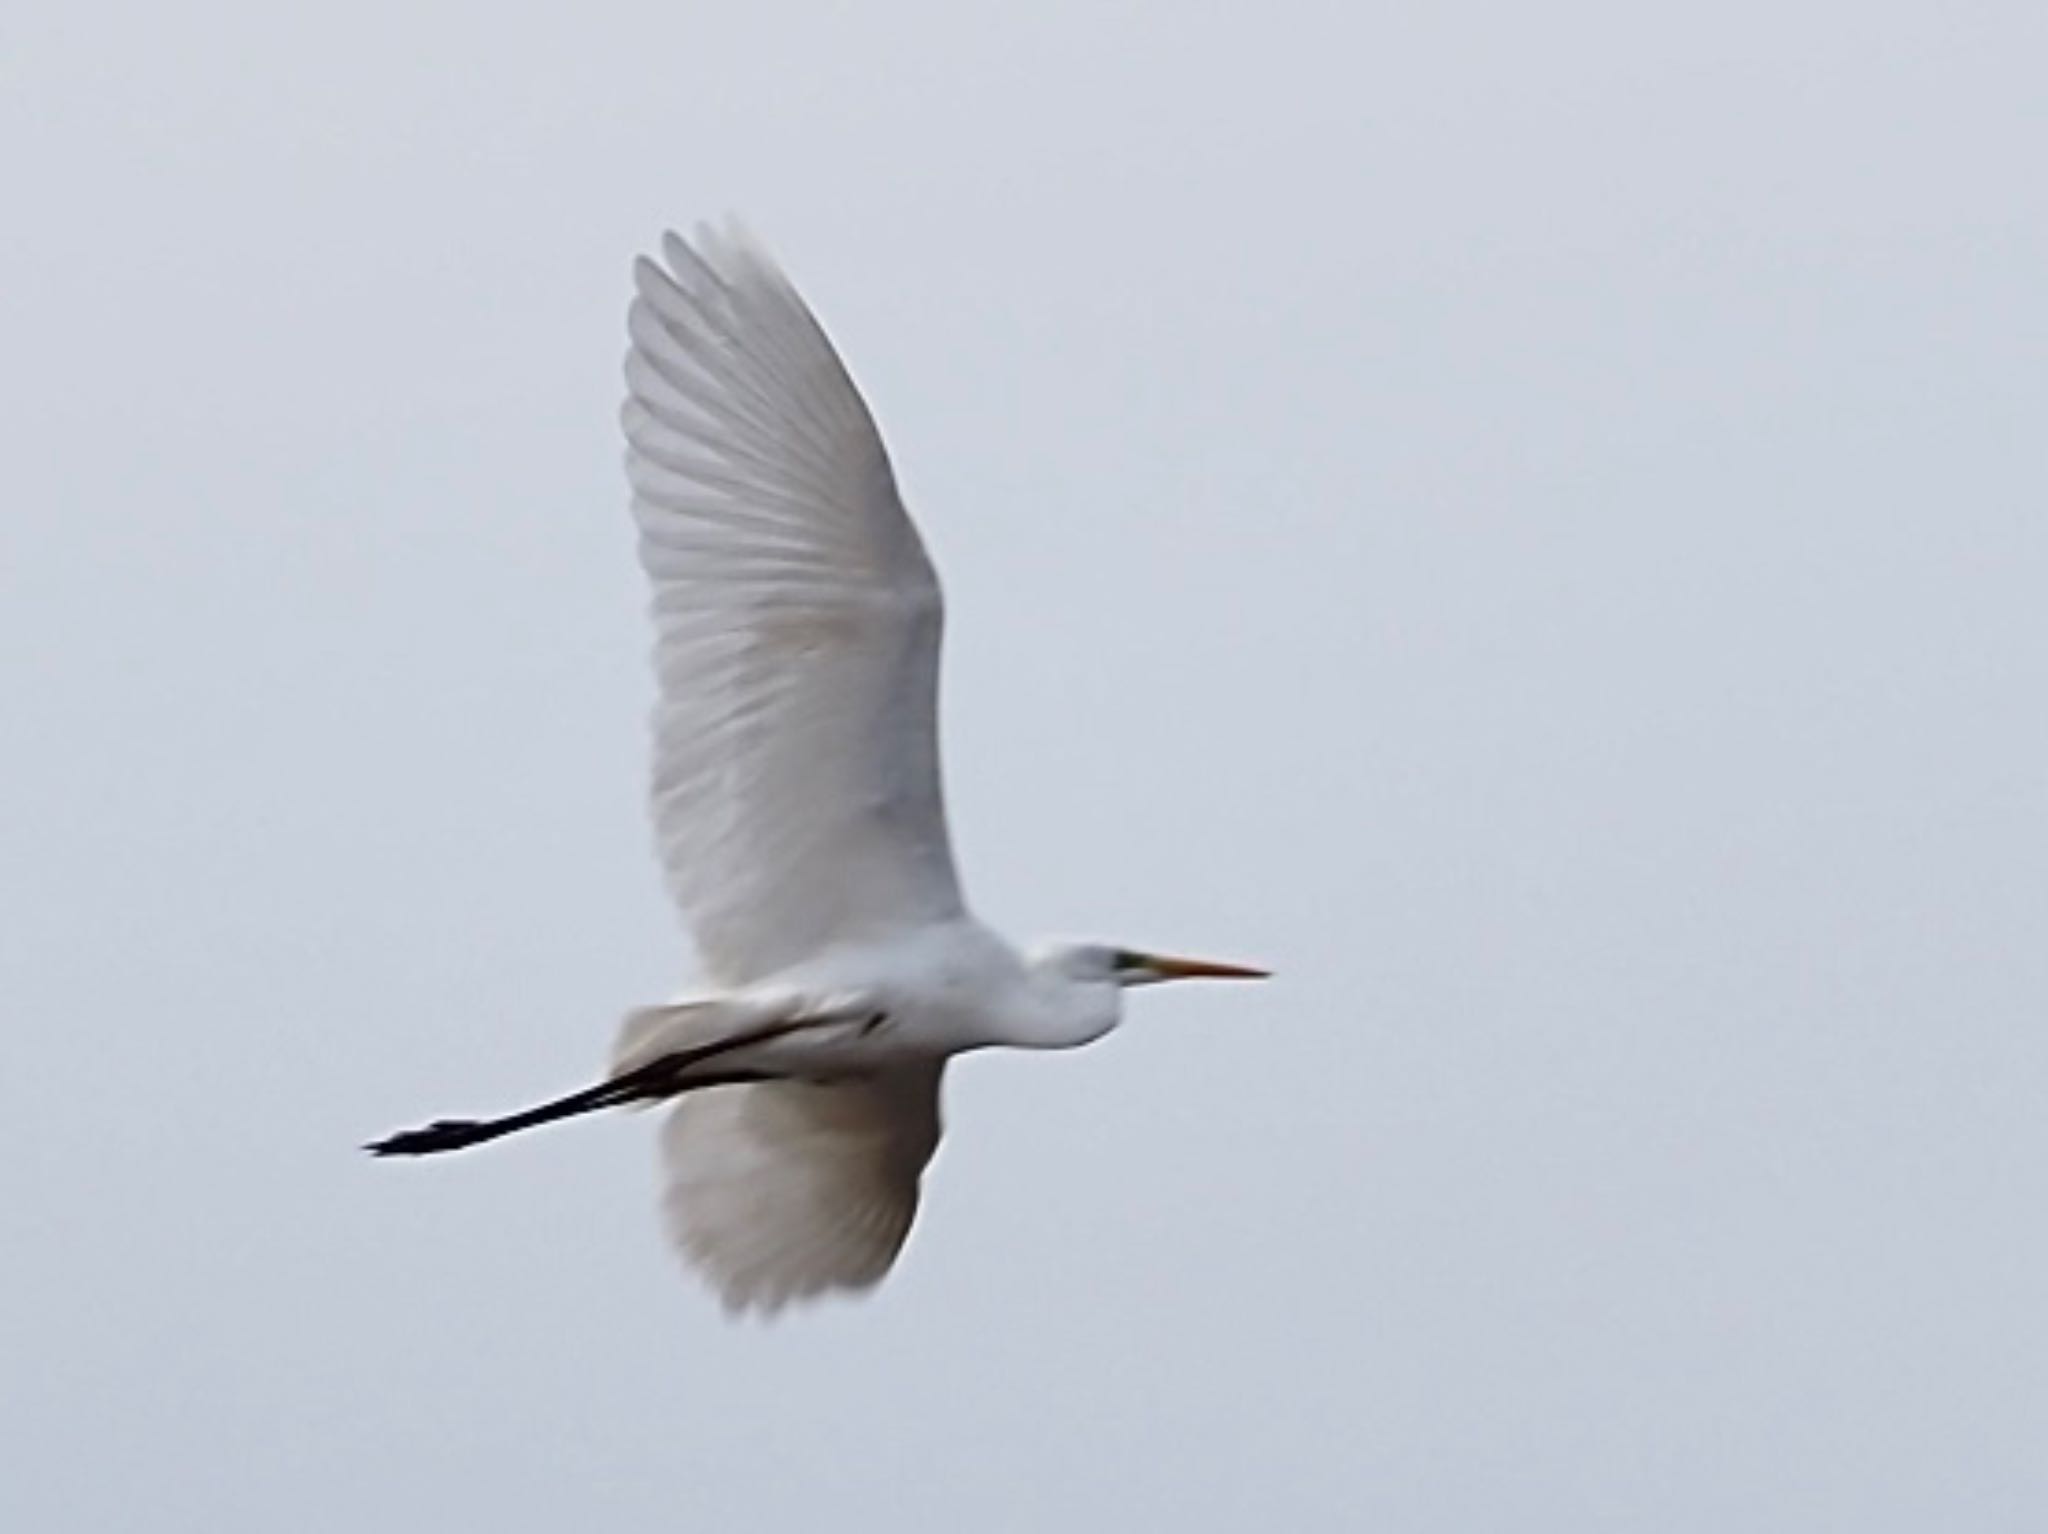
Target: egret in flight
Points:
(797, 808)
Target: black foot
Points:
(441, 1135)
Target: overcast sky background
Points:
(1531, 520)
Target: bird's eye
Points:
(1124, 959)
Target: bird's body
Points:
(797, 806)
(926, 994)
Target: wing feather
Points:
(796, 790)
(785, 1190)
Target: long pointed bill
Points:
(1167, 967)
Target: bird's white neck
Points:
(1055, 1011)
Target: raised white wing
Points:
(786, 1189)
(796, 775)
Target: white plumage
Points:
(796, 753)
(797, 807)
(784, 1189)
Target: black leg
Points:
(665, 1077)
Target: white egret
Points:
(797, 807)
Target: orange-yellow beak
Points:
(1166, 967)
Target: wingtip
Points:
(680, 255)
(650, 277)
(718, 248)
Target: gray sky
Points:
(1531, 520)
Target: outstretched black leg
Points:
(459, 1134)
(665, 1077)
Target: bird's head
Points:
(1084, 999)
(1102, 964)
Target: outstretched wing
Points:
(783, 1190)
(796, 778)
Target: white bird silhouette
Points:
(797, 807)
